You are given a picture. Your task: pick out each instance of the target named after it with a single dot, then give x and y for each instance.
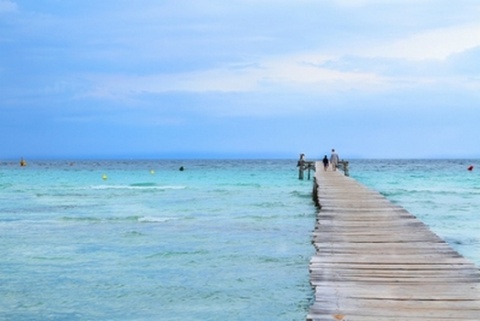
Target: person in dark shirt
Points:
(325, 163)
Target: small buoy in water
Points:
(470, 168)
(152, 172)
(104, 177)
(181, 169)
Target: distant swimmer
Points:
(470, 168)
(23, 162)
(181, 169)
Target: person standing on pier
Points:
(325, 163)
(334, 159)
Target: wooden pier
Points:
(377, 262)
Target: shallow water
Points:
(221, 240)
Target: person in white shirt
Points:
(334, 159)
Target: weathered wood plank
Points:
(376, 261)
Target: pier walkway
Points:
(377, 262)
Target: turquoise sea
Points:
(220, 240)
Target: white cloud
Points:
(298, 73)
(305, 72)
(437, 44)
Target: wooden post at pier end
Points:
(301, 166)
(309, 166)
(301, 169)
(305, 165)
(375, 261)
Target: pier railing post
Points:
(343, 164)
(301, 168)
(316, 201)
(310, 166)
(303, 165)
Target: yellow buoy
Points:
(152, 172)
(104, 177)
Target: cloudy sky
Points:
(239, 78)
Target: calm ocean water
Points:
(221, 240)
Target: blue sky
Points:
(247, 79)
